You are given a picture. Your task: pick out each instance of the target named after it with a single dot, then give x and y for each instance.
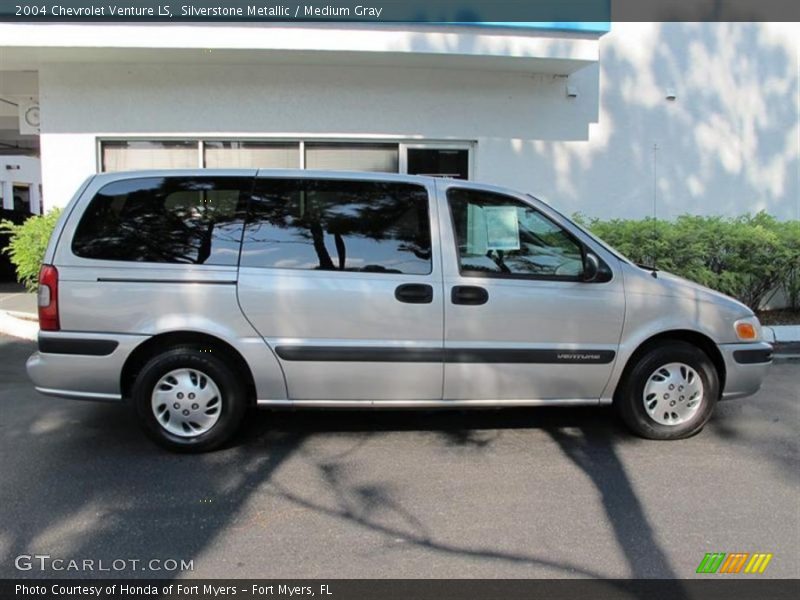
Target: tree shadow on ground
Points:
(81, 481)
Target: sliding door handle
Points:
(414, 293)
(470, 295)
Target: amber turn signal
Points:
(746, 331)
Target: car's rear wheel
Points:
(670, 392)
(189, 400)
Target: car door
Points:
(341, 277)
(520, 321)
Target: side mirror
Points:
(591, 267)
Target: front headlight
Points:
(748, 329)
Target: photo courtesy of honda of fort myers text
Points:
(399, 299)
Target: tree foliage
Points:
(27, 245)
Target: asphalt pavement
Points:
(14, 298)
(547, 492)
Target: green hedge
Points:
(27, 245)
(746, 257)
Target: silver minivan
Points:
(193, 295)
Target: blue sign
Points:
(590, 27)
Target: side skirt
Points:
(390, 404)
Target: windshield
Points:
(605, 245)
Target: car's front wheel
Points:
(670, 392)
(189, 400)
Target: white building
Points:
(702, 118)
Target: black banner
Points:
(569, 13)
(717, 588)
(430, 11)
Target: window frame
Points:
(511, 276)
(403, 145)
(433, 226)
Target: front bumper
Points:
(746, 366)
(85, 366)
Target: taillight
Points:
(48, 298)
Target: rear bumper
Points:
(85, 366)
(746, 366)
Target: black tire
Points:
(630, 399)
(233, 400)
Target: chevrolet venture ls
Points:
(192, 295)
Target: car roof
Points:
(293, 173)
(425, 180)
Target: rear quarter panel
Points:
(99, 296)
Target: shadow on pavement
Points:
(80, 480)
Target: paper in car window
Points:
(502, 227)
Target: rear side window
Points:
(194, 220)
(335, 225)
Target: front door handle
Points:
(414, 293)
(471, 295)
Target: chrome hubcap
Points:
(186, 402)
(673, 394)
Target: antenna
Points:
(655, 204)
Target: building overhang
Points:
(500, 47)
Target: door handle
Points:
(414, 293)
(471, 295)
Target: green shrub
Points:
(27, 245)
(746, 257)
(789, 232)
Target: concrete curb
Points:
(782, 333)
(15, 326)
(25, 316)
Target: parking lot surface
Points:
(504, 493)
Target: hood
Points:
(667, 284)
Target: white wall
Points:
(728, 144)
(82, 102)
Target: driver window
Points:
(502, 235)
